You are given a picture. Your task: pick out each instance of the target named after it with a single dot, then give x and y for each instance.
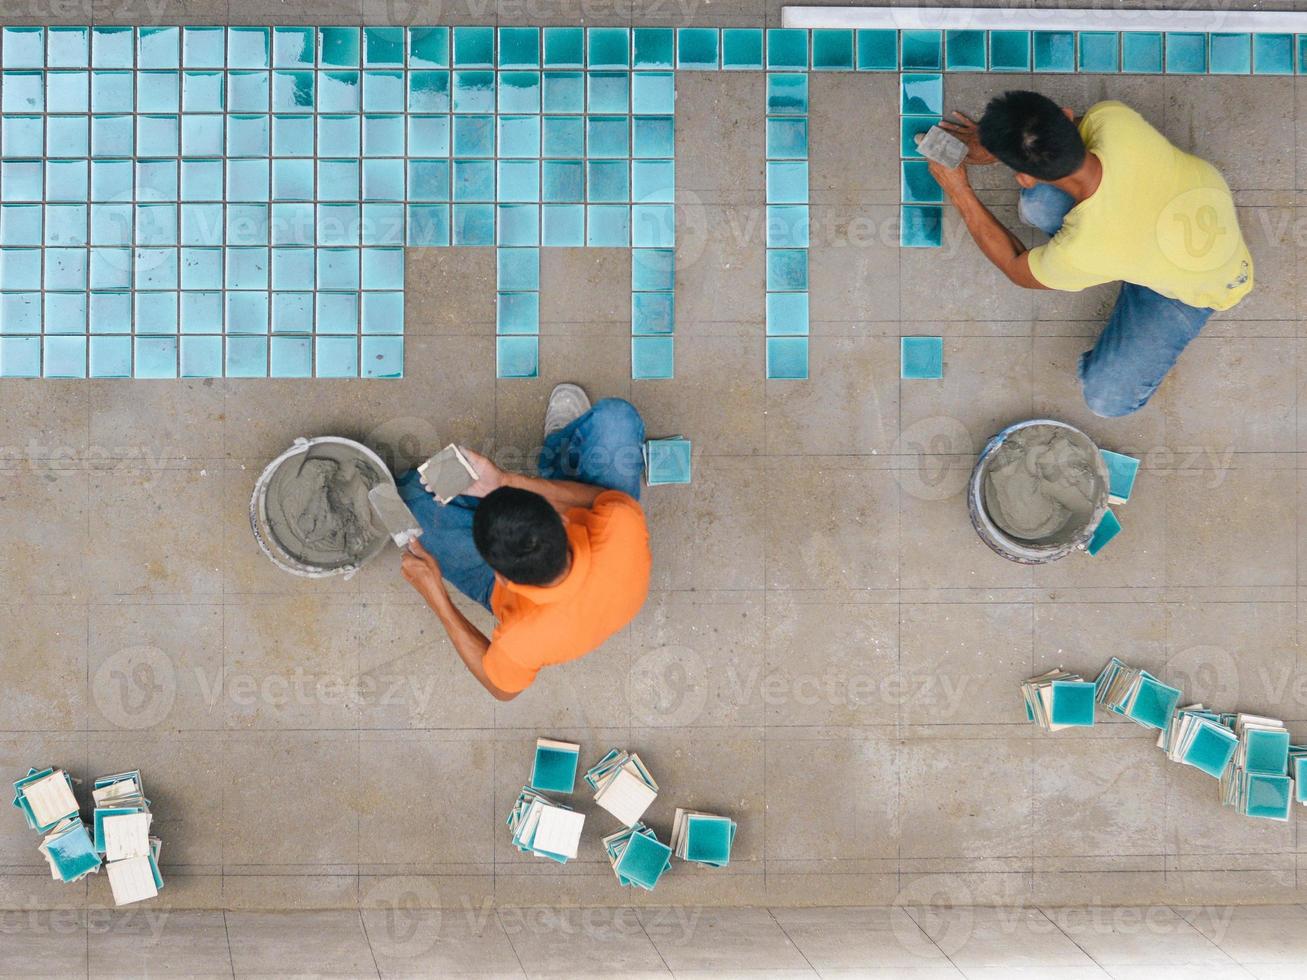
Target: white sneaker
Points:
(567, 402)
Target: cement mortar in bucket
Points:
(1038, 491)
(310, 511)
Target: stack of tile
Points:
(1200, 738)
(1121, 471)
(45, 797)
(622, 785)
(702, 838)
(121, 823)
(545, 828)
(554, 767)
(1136, 694)
(637, 855)
(1257, 783)
(1058, 700)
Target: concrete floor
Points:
(829, 654)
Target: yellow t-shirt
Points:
(1161, 218)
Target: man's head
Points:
(1032, 135)
(520, 536)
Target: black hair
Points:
(1032, 135)
(520, 536)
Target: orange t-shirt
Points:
(603, 590)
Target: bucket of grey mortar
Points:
(310, 510)
(1038, 491)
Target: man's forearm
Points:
(469, 642)
(998, 244)
(564, 495)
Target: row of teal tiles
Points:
(253, 48)
(786, 148)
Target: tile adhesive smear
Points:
(310, 511)
(1038, 491)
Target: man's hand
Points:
(419, 567)
(953, 180)
(489, 476)
(965, 128)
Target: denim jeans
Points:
(1142, 340)
(604, 447)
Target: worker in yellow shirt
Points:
(1121, 203)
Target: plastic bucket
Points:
(263, 532)
(1019, 550)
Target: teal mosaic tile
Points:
(652, 313)
(653, 225)
(20, 357)
(921, 226)
(517, 313)
(787, 226)
(787, 48)
(653, 47)
(334, 357)
(294, 47)
(201, 357)
(918, 186)
(653, 269)
(111, 357)
(474, 47)
(383, 46)
(428, 47)
(562, 225)
(473, 224)
(519, 47)
(382, 357)
(921, 358)
(653, 358)
(787, 182)
(1100, 51)
(921, 50)
(607, 226)
(564, 47)
(608, 47)
(608, 92)
(1273, 54)
(787, 138)
(156, 357)
(787, 269)
(517, 357)
(1141, 52)
(608, 181)
(909, 127)
(921, 94)
(742, 48)
(877, 50)
(1230, 54)
(563, 181)
(696, 48)
(518, 224)
(832, 50)
(965, 50)
(787, 358)
(787, 314)
(787, 94)
(1186, 53)
(653, 93)
(1055, 51)
(289, 357)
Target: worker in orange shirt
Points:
(561, 560)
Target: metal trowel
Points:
(394, 514)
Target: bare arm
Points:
(564, 495)
(999, 245)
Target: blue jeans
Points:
(1142, 340)
(604, 447)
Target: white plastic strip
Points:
(1048, 19)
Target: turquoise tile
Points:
(291, 135)
(292, 268)
(564, 47)
(428, 135)
(654, 47)
(474, 180)
(787, 268)
(67, 91)
(1268, 796)
(1072, 703)
(519, 180)
(909, 127)
(247, 91)
(608, 136)
(878, 50)
(517, 313)
(201, 268)
(24, 47)
(428, 224)
(474, 47)
(383, 136)
(608, 47)
(247, 136)
(607, 226)
(608, 181)
(921, 358)
(334, 357)
(24, 91)
(787, 358)
(290, 357)
(1231, 54)
(653, 269)
(787, 182)
(787, 94)
(154, 312)
(428, 47)
(653, 93)
(65, 313)
(1108, 528)
(383, 47)
(156, 47)
(246, 311)
(742, 48)
(292, 91)
(249, 47)
(111, 91)
(651, 136)
(653, 358)
(1186, 53)
(474, 91)
(20, 224)
(787, 47)
(383, 91)
(921, 226)
(608, 92)
(563, 91)
(653, 225)
(206, 91)
(921, 94)
(787, 314)
(518, 224)
(160, 91)
(294, 47)
(156, 357)
(921, 50)
(832, 50)
(696, 47)
(563, 225)
(383, 357)
(201, 312)
(1100, 51)
(428, 180)
(24, 136)
(652, 313)
(474, 136)
(1055, 51)
(338, 47)
(519, 47)
(519, 91)
(919, 187)
(562, 181)
(1302, 53)
(519, 136)
(653, 181)
(382, 312)
(204, 47)
(428, 91)
(1273, 54)
(112, 47)
(787, 226)
(516, 269)
(113, 136)
(292, 312)
(517, 357)
(383, 268)
(1141, 52)
(201, 357)
(1009, 50)
(473, 224)
(20, 269)
(70, 47)
(787, 138)
(964, 50)
(21, 312)
(336, 312)
(338, 91)
(67, 224)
